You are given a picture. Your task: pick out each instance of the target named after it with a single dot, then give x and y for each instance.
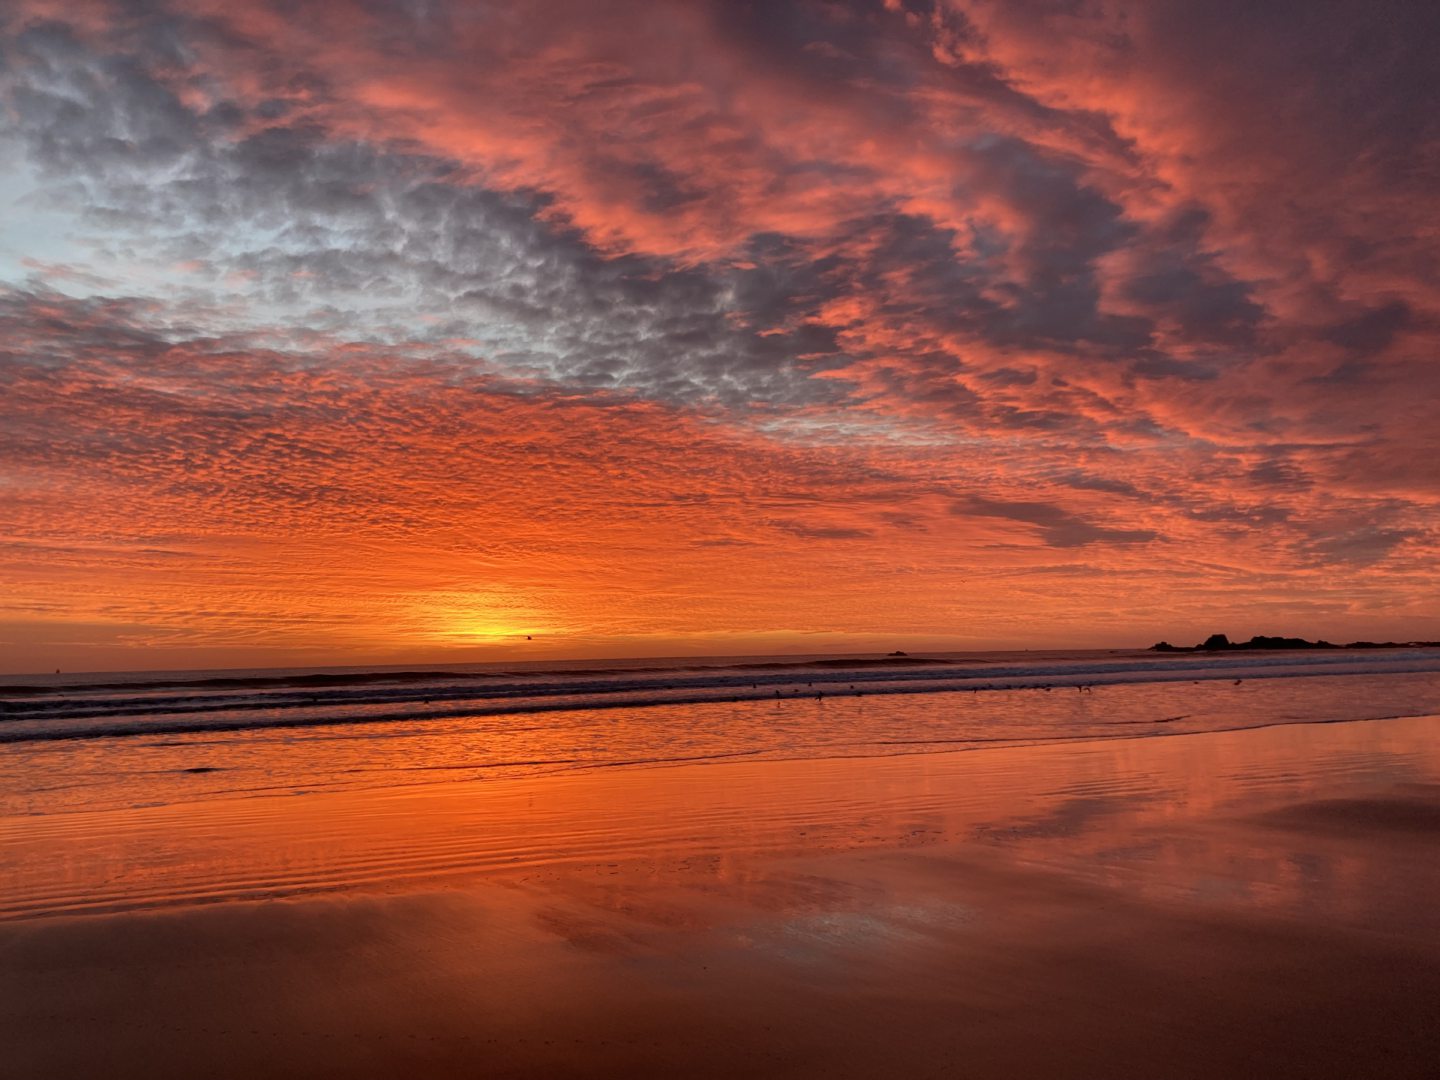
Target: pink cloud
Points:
(1081, 296)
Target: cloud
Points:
(703, 250)
(919, 289)
(1058, 527)
(1360, 546)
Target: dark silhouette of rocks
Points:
(1392, 645)
(1221, 643)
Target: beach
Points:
(1255, 902)
(788, 540)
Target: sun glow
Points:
(491, 616)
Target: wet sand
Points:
(1254, 903)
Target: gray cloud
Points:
(280, 224)
(1364, 545)
(374, 245)
(285, 228)
(1058, 527)
(808, 531)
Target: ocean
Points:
(107, 741)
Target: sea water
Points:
(107, 741)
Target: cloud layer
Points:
(391, 328)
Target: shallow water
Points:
(169, 755)
(1097, 806)
(49, 708)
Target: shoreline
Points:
(51, 716)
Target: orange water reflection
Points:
(1190, 819)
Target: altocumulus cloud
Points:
(1023, 278)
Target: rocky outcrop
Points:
(1221, 643)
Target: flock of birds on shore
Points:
(1084, 688)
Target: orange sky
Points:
(390, 334)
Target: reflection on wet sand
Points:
(1161, 815)
(1252, 903)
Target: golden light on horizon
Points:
(483, 617)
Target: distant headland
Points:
(1221, 643)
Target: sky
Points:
(367, 331)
